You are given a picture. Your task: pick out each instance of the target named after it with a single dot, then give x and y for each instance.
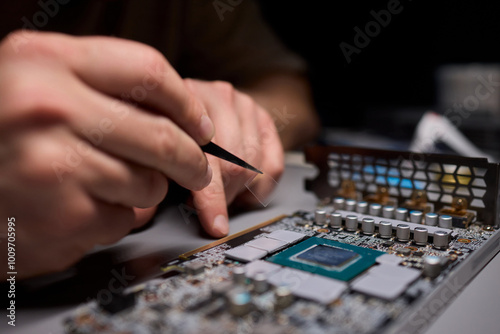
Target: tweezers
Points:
(219, 152)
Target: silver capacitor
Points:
(388, 212)
(239, 276)
(283, 297)
(441, 239)
(432, 266)
(260, 284)
(431, 219)
(401, 214)
(350, 205)
(320, 217)
(239, 302)
(403, 232)
(368, 226)
(420, 235)
(338, 203)
(416, 217)
(375, 209)
(351, 223)
(385, 229)
(362, 207)
(335, 220)
(445, 221)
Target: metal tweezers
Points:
(219, 152)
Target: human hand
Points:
(84, 143)
(246, 130)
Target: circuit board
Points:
(368, 260)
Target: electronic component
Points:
(445, 221)
(380, 281)
(239, 275)
(320, 217)
(388, 212)
(195, 268)
(385, 229)
(416, 217)
(362, 207)
(289, 237)
(239, 301)
(420, 236)
(441, 239)
(431, 219)
(351, 223)
(328, 258)
(259, 266)
(268, 244)
(432, 266)
(335, 220)
(245, 253)
(458, 212)
(401, 214)
(368, 226)
(403, 232)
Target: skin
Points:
(93, 129)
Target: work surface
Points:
(476, 309)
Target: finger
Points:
(136, 72)
(272, 162)
(133, 134)
(210, 203)
(119, 182)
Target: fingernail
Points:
(207, 128)
(208, 176)
(221, 226)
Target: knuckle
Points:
(154, 59)
(225, 89)
(165, 141)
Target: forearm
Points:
(287, 97)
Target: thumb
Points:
(211, 205)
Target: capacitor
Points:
(260, 284)
(403, 232)
(445, 221)
(385, 229)
(368, 226)
(441, 239)
(320, 217)
(431, 219)
(335, 220)
(388, 212)
(401, 214)
(239, 301)
(420, 235)
(239, 275)
(432, 266)
(283, 297)
(362, 207)
(416, 217)
(350, 205)
(375, 209)
(338, 203)
(351, 223)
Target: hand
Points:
(246, 130)
(90, 130)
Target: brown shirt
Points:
(221, 39)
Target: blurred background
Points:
(442, 56)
